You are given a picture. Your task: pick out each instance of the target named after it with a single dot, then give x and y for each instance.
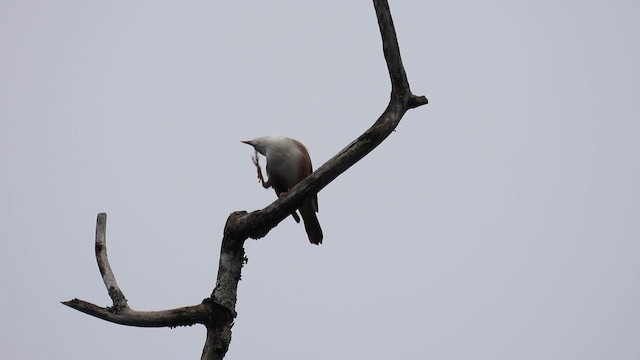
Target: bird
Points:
(288, 163)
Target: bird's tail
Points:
(311, 224)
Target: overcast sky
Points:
(501, 221)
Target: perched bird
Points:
(288, 163)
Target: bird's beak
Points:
(248, 142)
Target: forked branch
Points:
(218, 311)
(120, 312)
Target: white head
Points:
(263, 143)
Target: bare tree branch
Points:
(218, 311)
(391, 49)
(258, 223)
(185, 316)
(116, 295)
(120, 312)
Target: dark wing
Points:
(306, 168)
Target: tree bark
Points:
(217, 312)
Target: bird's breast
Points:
(284, 168)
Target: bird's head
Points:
(261, 144)
(256, 145)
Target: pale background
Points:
(501, 221)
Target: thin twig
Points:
(116, 295)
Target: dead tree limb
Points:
(218, 311)
(120, 312)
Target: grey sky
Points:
(501, 221)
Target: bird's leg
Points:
(256, 162)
